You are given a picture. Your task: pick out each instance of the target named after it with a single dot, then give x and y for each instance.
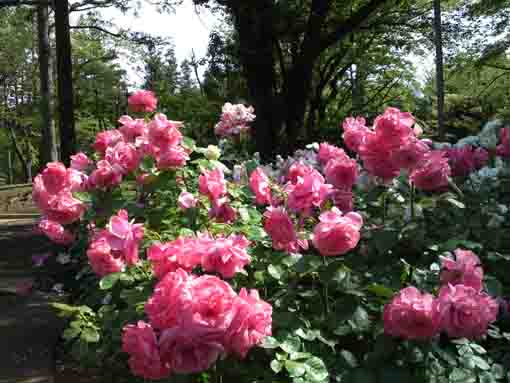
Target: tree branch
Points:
(113, 34)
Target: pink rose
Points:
(168, 257)
(309, 191)
(101, 258)
(131, 129)
(143, 101)
(342, 172)
(64, 208)
(163, 133)
(280, 228)
(432, 173)
(337, 234)
(40, 195)
(191, 348)
(234, 120)
(56, 232)
(480, 157)
(55, 177)
(123, 157)
(77, 180)
(503, 149)
(186, 200)
(328, 152)
(225, 255)
(252, 322)
(394, 127)
(464, 270)
(107, 139)
(411, 315)
(171, 158)
(298, 169)
(354, 132)
(343, 200)
(259, 184)
(212, 184)
(80, 161)
(376, 156)
(141, 343)
(171, 299)
(410, 154)
(465, 312)
(221, 211)
(124, 236)
(105, 176)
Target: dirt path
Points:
(29, 327)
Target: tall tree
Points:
(48, 150)
(438, 42)
(65, 81)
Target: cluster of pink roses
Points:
(460, 310)
(193, 321)
(503, 149)
(143, 101)
(52, 194)
(234, 120)
(212, 184)
(466, 159)
(392, 145)
(224, 255)
(307, 190)
(112, 249)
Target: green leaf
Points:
(361, 375)
(83, 197)
(65, 310)
(243, 213)
(380, 290)
(456, 203)
(481, 363)
(275, 271)
(107, 282)
(71, 333)
(188, 143)
(385, 240)
(295, 369)
(291, 344)
(316, 370)
(300, 355)
(395, 375)
(349, 358)
(90, 335)
(360, 320)
(269, 342)
(276, 366)
(498, 371)
(487, 377)
(460, 375)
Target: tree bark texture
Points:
(438, 41)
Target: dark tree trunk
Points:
(48, 150)
(438, 40)
(255, 28)
(65, 81)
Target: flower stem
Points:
(413, 192)
(325, 289)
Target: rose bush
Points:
(382, 262)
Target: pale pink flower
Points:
(141, 343)
(432, 173)
(394, 127)
(465, 312)
(171, 158)
(376, 156)
(80, 161)
(234, 120)
(341, 172)
(183, 253)
(411, 315)
(77, 180)
(124, 157)
(163, 133)
(55, 177)
(131, 128)
(64, 208)
(186, 200)
(124, 236)
(308, 192)
(251, 324)
(107, 139)
(328, 152)
(212, 184)
(354, 132)
(191, 348)
(410, 154)
(225, 255)
(56, 232)
(101, 258)
(259, 184)
(337, 234)
(280, 228)
(464, 270)
(296, 170)
(143, 101)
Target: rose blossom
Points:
(101, 258)
(251, 324)
(55, 177)
(432, 173)
(106, 139)
(64, 208)
(354, 132)
(221, 211)
(337, 234)
(410, 154)
(56, 232)
(163, 133)
(141, 343)
(341, 172)
(186, 200)
(212, 184)
(123, 156)
(298, 169)
(104, 176)
(124, 236)
(503, 149)
(179, 253)
(280, 228)
(411, 315)
(464, 270)
(80, 161)
(342, 199)
(309, 191)
(328, 152)
(131, 129)
(465, 312)
(225, 255)
(171, 158)
(191, 348)
(393, 127)
(259, 184)
(143, 101)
